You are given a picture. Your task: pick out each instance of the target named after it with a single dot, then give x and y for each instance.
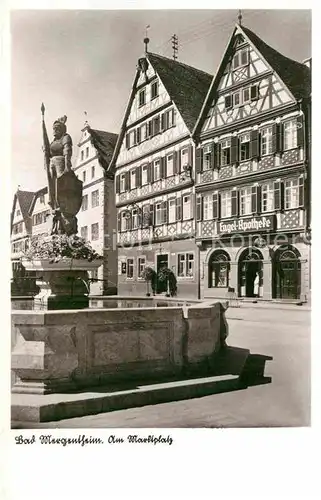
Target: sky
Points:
(85, 61)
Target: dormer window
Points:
(241, 58)
(142, 97)
(154, 89)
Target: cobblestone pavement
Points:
(282, 334)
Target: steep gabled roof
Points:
(25, 199)
(187, 86)
(38, 193)
(296, 76)
(105, 143)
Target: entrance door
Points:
(287, 274)
(250, 273)
(162, 261)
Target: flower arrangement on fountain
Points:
(150, 276)
(166, 275)
(61, 249)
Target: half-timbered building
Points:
(154, 175)
(253, 174)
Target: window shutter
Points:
(216, 207)
(234, 150)
(192, 205)
(198, 159)
(179, 160)
(117, 184)
(174, 116)
(179, 214)
(278, 195)
(163, 167)
(199, 208)
(150, 128)
(228, 101)
(213, 155)
(135, 136)
(164, 121)
(127, 141)
(138, 136)
(129, 222)
(167, 210)
(301, 192)
(139, 176)
(119, 222)
(254, 144)
(300, 131)
(190, 155)
(274, 138)
(151, 167)
(258, 199)
(149, 173)
(151, 215)
(279, 144)
(254, 199)
(127, 181)
(235, 203)
(218, 155)
(175, 161)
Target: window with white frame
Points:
(143, 133)
(82, 156)
(159, 213)
(172, 210)
(246, 95)
(267, 197)
(207, 156)
(122, 181)
(84, 176)
(225, 152)
(157, 170)
(141, 264)
(246, 200)
(154, 89)
(95, 198)
(266, 141)
(144, 175)
(92, 172)
(291, 193)
(208, 207)
(133, 179)
(130, 268)
(124, 221)
(84, 205)
(170, 117)
(185, 265)
(87, 152)
(184, 158)
(226, 204)
(142, 97)
(95, 231)
(169, 165)
(245, 146)
(241, 58)
(84, 232)
(290, 134)
(187, 207)
(131, 138)
(237, 98)
(135, 220)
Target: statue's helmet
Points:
(62, 123)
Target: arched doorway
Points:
(286, 273)
(250, 273)
(219, 269)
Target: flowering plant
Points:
(56, 247)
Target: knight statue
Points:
(64, 187)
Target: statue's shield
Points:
(69, 193)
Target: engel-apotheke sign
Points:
(245, 225)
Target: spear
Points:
(46, 150)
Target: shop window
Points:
(219, 270)
(141, 266)
(185, 265)
(130, 268)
